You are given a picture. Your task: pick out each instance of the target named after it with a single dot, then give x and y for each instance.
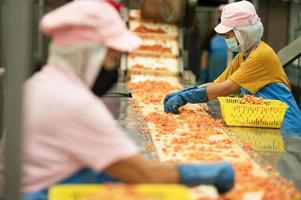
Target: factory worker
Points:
(255, 70)
(69, 135)
(213, 59)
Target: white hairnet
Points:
(84, 59)
(249, 36)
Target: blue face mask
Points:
(232, 44)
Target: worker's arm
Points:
(224, 88)
(200, 94)
(137, 169)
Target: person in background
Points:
(108, 76)
(256, 69)
(69, 135)
(213, 54)
(192, 43)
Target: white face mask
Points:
(85, 60)
(97, 55)
(233, 44)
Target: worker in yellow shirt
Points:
(255, 70)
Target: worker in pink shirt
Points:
(69, 135)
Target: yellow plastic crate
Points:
(119, 191)
(236, 114)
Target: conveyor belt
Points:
(126, 117)
(269, 148)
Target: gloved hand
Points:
(167, 97)
(189, 95)
(176, 93)
(221, 175)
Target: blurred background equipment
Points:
(169, 11)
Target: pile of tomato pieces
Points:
(251, 99)
(156, 47)
(144, 29)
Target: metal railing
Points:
(291, 52)
(290, 58)
(16, 50)
(293, 71)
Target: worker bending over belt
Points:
(69, 135)
(255, 70)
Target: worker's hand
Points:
(175, 94)
(173, 101)
(221, 175)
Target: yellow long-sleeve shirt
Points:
(261, 67)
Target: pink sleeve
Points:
(92, 136)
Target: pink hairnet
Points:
(89, 20)
(237, 14)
